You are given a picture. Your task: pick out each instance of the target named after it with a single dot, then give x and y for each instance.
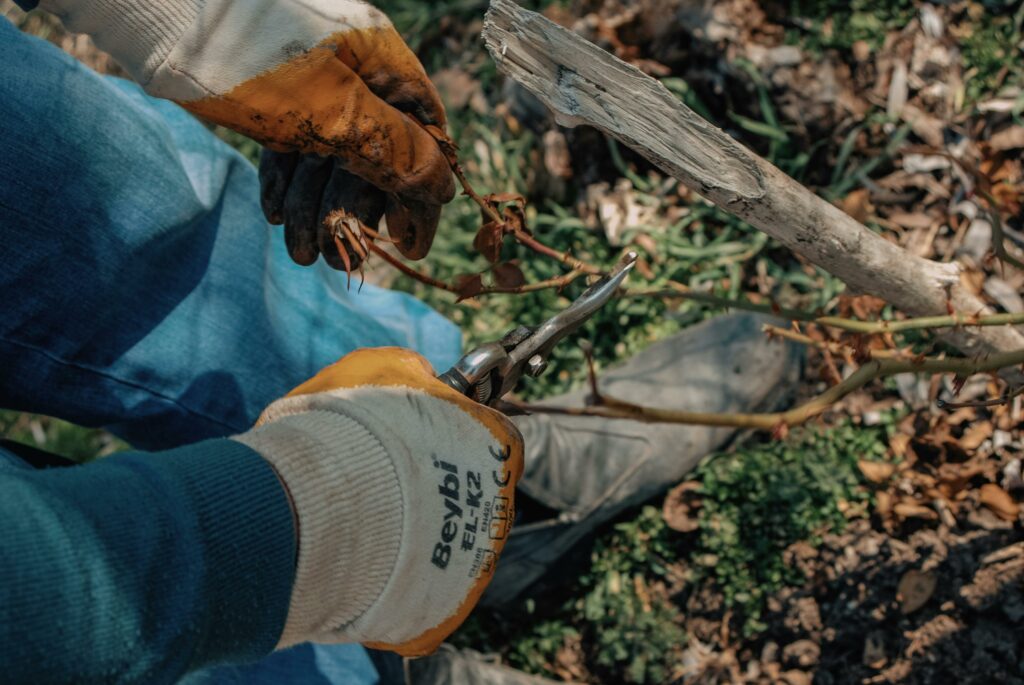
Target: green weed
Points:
(833, 24)
(58, 437)
(756, 502)
(628, 629)
(760, 499)
(993, 54)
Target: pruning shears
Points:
(489, 372)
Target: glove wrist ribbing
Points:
(403, 501)
(348, 504)
(139, 35)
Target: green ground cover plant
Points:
(624, 612)
(762, 498)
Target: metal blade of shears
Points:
(491, 371)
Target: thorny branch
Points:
(847, 351)
(878, 363)
(612, 408)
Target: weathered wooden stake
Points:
(583, 84)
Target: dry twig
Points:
(612, 408)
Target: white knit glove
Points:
(403, 492)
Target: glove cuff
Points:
(140, 35)
(349, 508)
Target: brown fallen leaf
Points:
(458, 88)
(962, 415)
(681, 506)
(915, 589)
(876, 471)
(976, 434)
(999, 501)
(1008, 139)
(857, 204)
(953, 478)
(908, 510)
(883, 504)
(557, 158)
(898, 444)
(911, 219)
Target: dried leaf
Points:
(648, 244)
(874, 650)
(955, 477)
(515, 219)
(976, 434)
(503, 198)
(489, 239)
(1008, 139)
(906, 510)
(469, 285)
(857, 204)
(915, 589)
(681, 506)
(898, 444)
(644, 269)
(999, 501)
(459, 89)
(962, 415)
(883, 504)
(861, 306)
(557, 158)
(911, 219)
(876, 471)
(508, 275)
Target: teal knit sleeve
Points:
(139, 568)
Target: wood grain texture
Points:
(585, 85)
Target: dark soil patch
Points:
(851, 624)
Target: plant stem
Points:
(520, 235)
(832, 347)
(853, 325)
(612, 408)
(557, 282)
(408, 270)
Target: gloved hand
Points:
(403, 495)
(330, 79)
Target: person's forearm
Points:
(143, 567)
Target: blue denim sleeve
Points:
(154, 298)
(142, 567)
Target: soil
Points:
(852, 624)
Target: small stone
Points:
(868, 546)
(785, 56)
(874, 650)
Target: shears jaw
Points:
(489, 372)
(531, 356)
